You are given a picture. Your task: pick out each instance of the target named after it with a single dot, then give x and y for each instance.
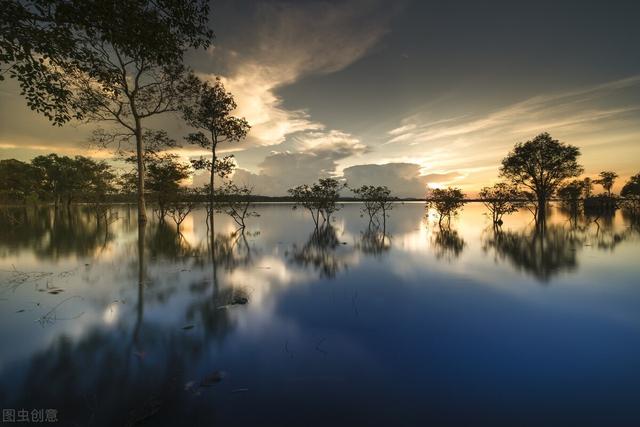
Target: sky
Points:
(408, 94)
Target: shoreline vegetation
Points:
(534, 174)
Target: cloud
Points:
(288, 41)
(403, 179)
(317, 156)
(281, 171)
(474, 144)
(549, 112)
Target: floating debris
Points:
(211, 379)
(208, 381)
(51, 316)
(187, 327)
(240, 300)
(235, 300)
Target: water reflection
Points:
(215, 325)
(447, 243)
(51, 234)
(374, 240)
(319, 252)
(540, 251)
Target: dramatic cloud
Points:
(289, 41)
(403, 179)
(317, 156)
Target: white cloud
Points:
(403, 179)
(291, 41)
(474, 145)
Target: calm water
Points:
(283, 327)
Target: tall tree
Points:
(541, 165)
(210, 112)
(68, 179)
(118, 62)
(44, 42)
(607, 179)
(59, 177)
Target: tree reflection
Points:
(447, 243)
(374, 241)
(542, 251)
(53, 234)
(229, 251)
(319, 252)
(165, 242)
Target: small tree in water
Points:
(165, 174)
(320, 199)
(631, 193)
(541, 165)
(501, 199)
(606, 180)
(181, 206)
(446, 202)
(376, 201)
(236, 201)
(571, 193)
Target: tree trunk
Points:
(542, 209)
(142, 208)
(212, 190)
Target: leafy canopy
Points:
(541, 165)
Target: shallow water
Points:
(284, 326)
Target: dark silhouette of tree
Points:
(570, 194)
(165, 173)
(210, 112)
(446, 202)
(181, 206)
(236, 201)
(501, 199)
(587, 185)
(606, 180)
(631, 193)
(541, 165)
(44, 44)
(377, 201)
(320, 199)
(68, 179)
(18, 181)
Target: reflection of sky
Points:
(294, 309)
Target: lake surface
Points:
(284, 326)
